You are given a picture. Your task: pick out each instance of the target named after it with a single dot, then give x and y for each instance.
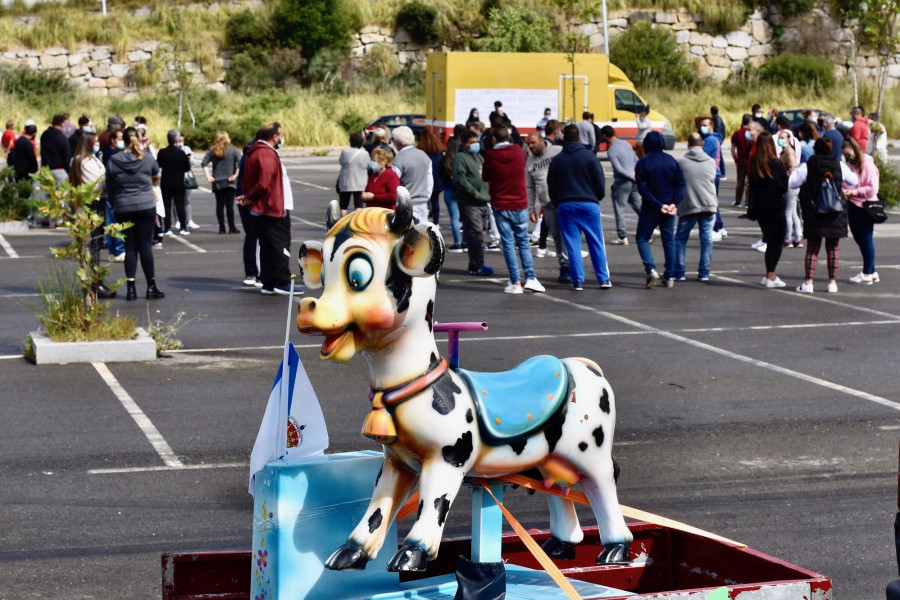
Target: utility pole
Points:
(605, 31)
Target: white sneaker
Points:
(176, 225)
(117, 257)
(716, 236)
(757, 244)
(192, 225)
(585, 254)
(832, 288)
(654, 235)
(805, 288)
(762, 247)
(534, 285)
(862, 278)
(875, 277)
(250, 281)
(544, 252)
(722, 232)
(514, 288)
(774, 283)
(620, 242)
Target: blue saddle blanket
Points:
(516, 402)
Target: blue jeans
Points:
(114, 246)
(649, 219)
(453, 209)
(624, 193)
(683, 232)
(512, 225)
(861, 228)
(574, 219)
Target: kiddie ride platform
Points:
(304, 508)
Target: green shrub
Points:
(285, 66)
(15, 197)
(314, 25)
(889, 185)
(380, 64)
(245, 74)
(325, 66)
(517, 29)
(650, 56)
(419, 22)
(24, 82)
(352, 121)
(248, 30)
(801, 70)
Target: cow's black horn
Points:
(333, 214)
(403, 215)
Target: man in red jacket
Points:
(263, 194)
(504, 170)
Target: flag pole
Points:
(281, 438)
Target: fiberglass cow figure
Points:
(438, 425)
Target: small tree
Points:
(650, 56)
(72, 205)
(314, 25)
(517, 29)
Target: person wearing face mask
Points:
(381, 189)
(87, 167)
(174, 164)
(553, 133)
(187, 192)
(759, 116)
(865, 190)
(266, 192)
(84, 126)
(542, 123)
(788, 157)
(740, 153)
(712, 146)
(352, 177)
(473, 117)
(472, 196)
(114, 245)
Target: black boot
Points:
(480, 580)
(221, 229)
(153, 292)
(103, 292)
(132, 292)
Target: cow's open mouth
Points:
(339, 346)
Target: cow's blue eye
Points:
(359, 272)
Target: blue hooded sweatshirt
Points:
(712, 145)
(659, 178)
(575, 175)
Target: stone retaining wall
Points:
(100, 70)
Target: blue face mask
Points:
(120, 144)
(97, 149)
(748, 135)
(280, 144)
(782, 143)
(373, 166)
(704, 130)
(475, 147)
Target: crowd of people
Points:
(494, 181)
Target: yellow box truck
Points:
(527, 84)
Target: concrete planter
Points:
(13, 227)
(46, 351)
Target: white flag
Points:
(304, 427)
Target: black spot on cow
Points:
(378, 477)
(582, 446)
(400, 285)
(594, 371)
(419, 514)
(598, 436)
(443, 391)
(459, 453)
(375, 520)
(442, 506)
(429, 315)
(616, 470)
(604, 401)
(340, 237)
(434, 359)
(469, 417)
(554, 425)
(518, 444)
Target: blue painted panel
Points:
(303, 510)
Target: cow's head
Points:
(378, 273)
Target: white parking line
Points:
(150, 431)
(727, 353)
(310, 223)
(180, 239)
(113, 471)
(312, 185)
(203, 189)
(8, 248)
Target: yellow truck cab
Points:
(528, 83)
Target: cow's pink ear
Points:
(310, 257)
(420, 252)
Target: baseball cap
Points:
(29, 122)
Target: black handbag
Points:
(875, 210)
(190, 182)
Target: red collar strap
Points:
(399, 393)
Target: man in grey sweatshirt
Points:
(699, 205)
(624, 189)
(536, 167)
(414, 168)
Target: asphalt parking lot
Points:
(765, 416)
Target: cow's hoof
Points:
(408, 558)
(347, 558)
(614, 554)
(558, 549)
